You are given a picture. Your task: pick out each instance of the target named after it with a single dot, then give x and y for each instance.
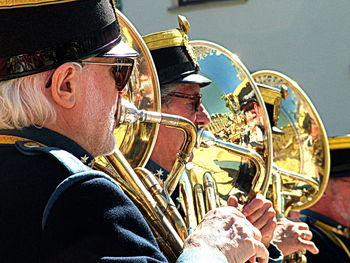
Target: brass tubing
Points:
(252, 155)
(187, 202)
(209, 191)
(153, 221)
(277, 198)
(183, 156)
(297, 176)
(199, 201)
(122, 167)
(129, 114)
(207, 139)
(167, 205)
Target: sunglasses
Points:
(249, 107)
(197, 98)
(121, 70)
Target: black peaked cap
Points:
(38, 36)
(173, 56)
(340, 152)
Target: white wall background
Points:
(308, 40)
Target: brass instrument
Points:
(135, 138)
(234, 152)
(301, 153)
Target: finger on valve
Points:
(263, 216)
(226, 230)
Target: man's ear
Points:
(64, 85)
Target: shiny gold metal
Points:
(184, 24)
(233, 157)
(144, 94)
(142, 185)
(129, 114)
(166, 204)
(339, 142)
(301, 152)
(187, 201)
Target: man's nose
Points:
(202, 116)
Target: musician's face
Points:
(101, 97)
(340, 188)
(170, 140)
(252, 112)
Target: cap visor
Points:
(194, 79)
(121, 50)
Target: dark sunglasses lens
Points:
(123, 73)
(198, 103)
(249, 107)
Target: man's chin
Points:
(109, 148)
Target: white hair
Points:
(165, 89)
(23, 103)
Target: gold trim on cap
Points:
(172, 38)
(164, 39)
(9, 4)
(273, 96)
(339, 142)
(270, 94)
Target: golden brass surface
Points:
(339, 142)
(144, 93)
(238, 160)
(187, 201)
(301, 153)
(166, 204)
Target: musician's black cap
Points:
(173, 56)
(340, 151)
(38, 35)
(272, 97)
(246, 95)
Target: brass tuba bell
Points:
(301, 151)
(234, 151)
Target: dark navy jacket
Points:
(92, 221)
(329, 251)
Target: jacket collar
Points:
(52, 139)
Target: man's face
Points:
(187, 107)
(252, 112)
(170, 140)
(100, 98)
(340, 188)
